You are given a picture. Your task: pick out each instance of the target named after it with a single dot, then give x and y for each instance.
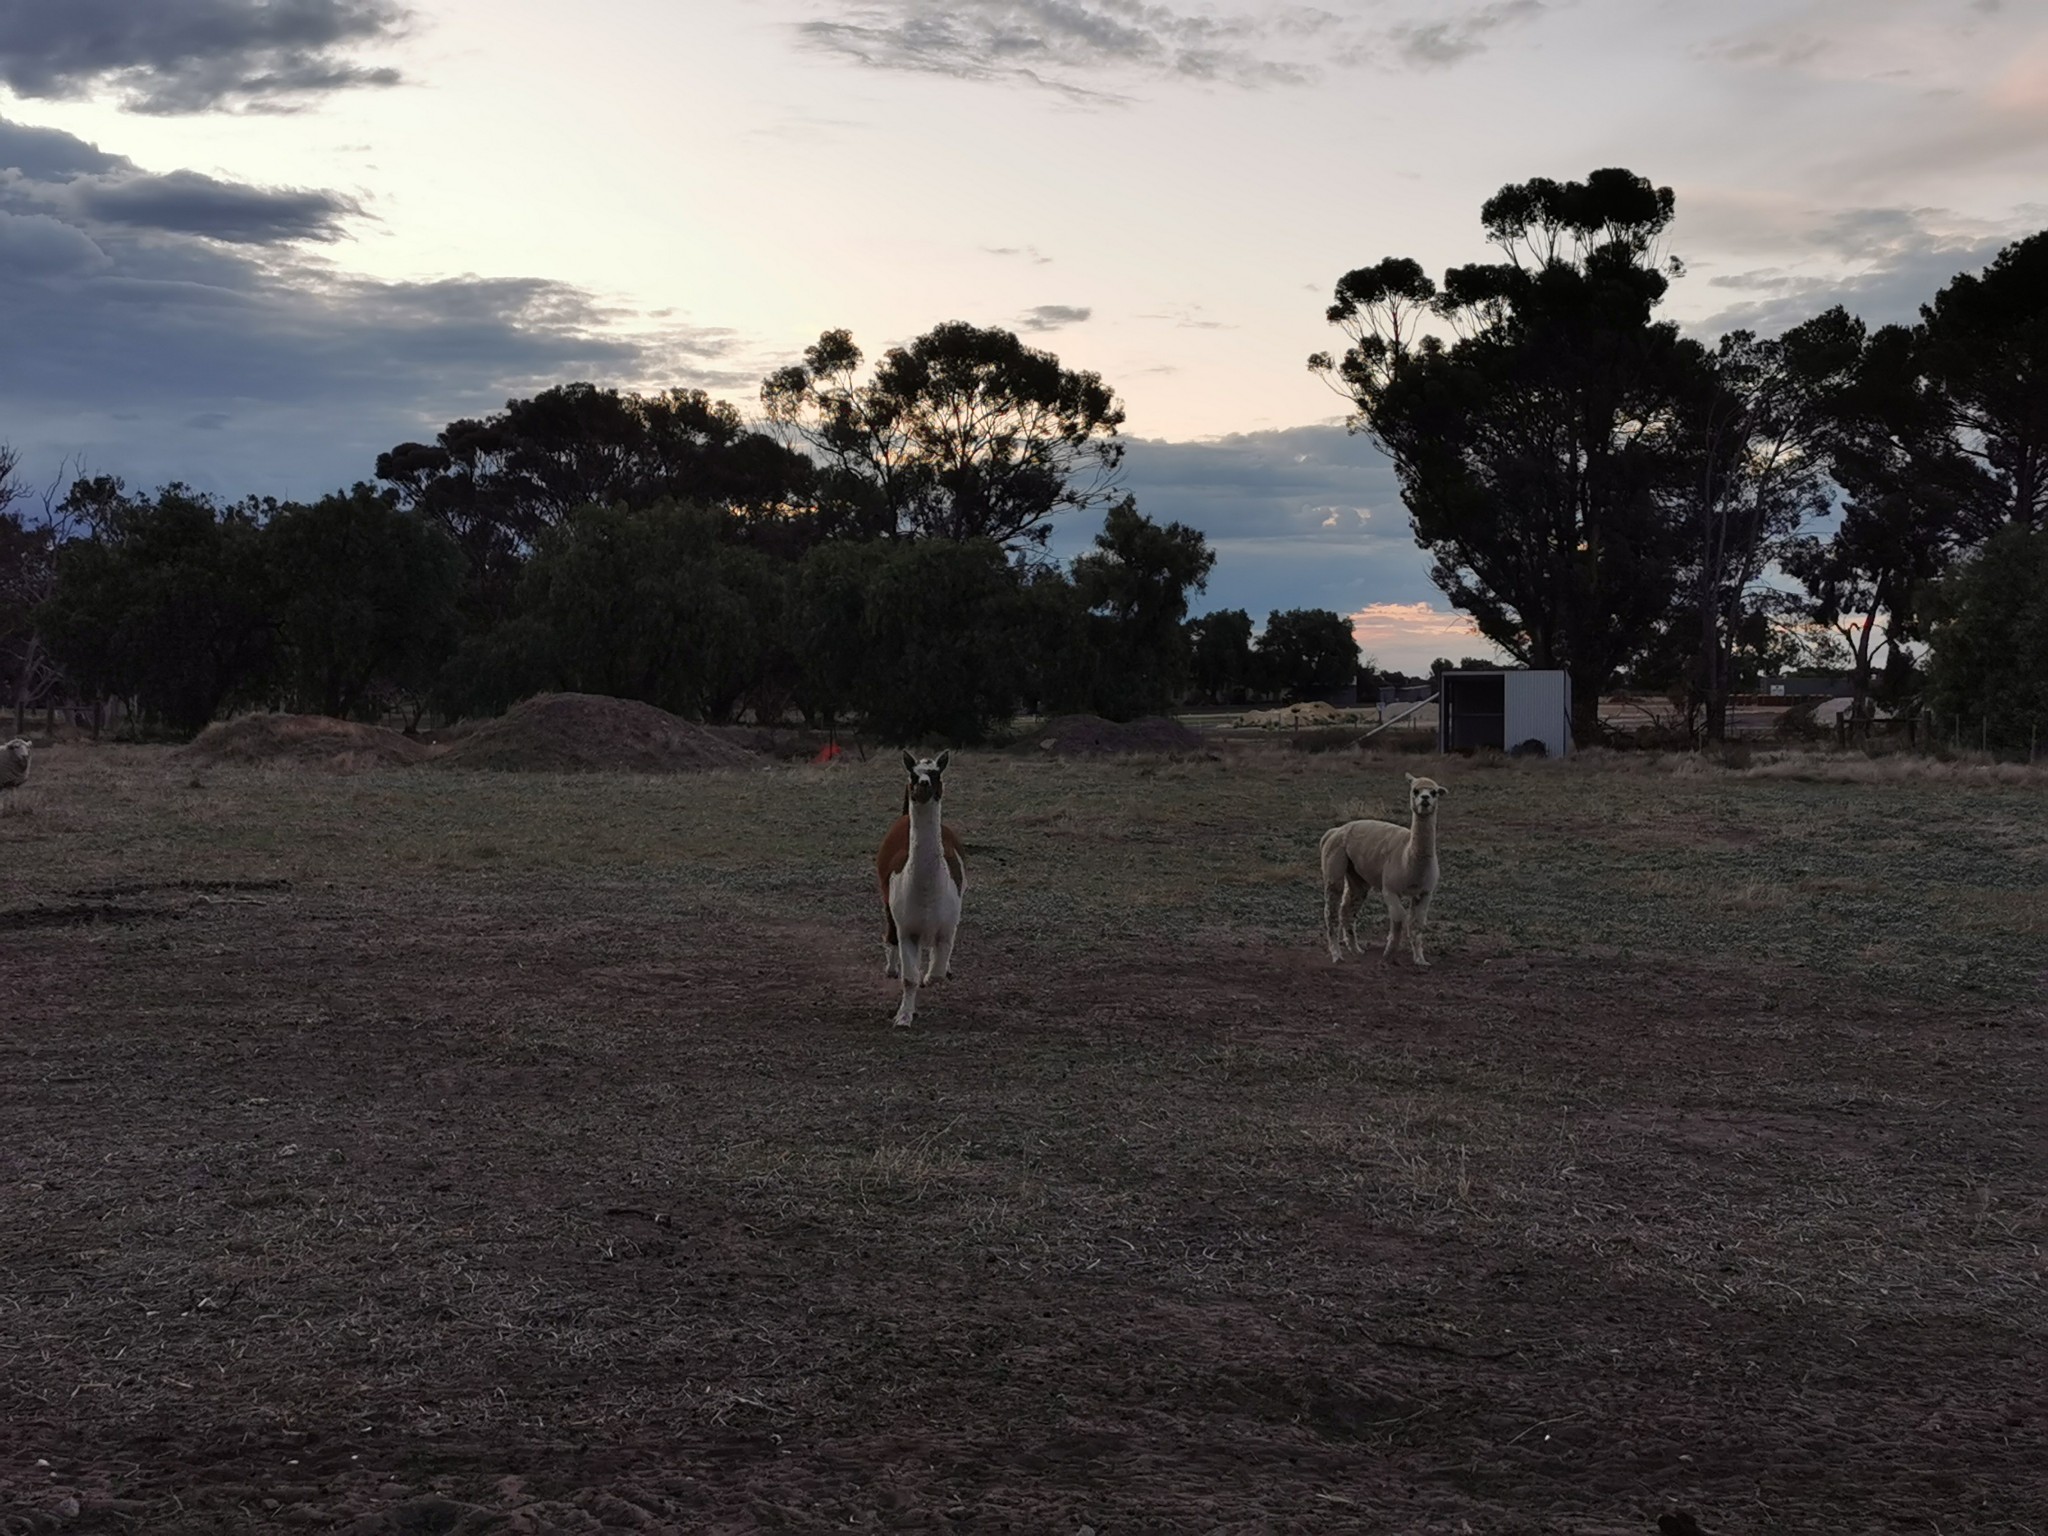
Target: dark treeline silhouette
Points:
(1602, 494)
(889, 572)
(1598, 492)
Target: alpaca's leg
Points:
(913, 972)
(1415, 921)
(1355, 892)
(1397, 919)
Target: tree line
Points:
(1602, 494)
(877, 557)
(1595, 490)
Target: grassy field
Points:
(434, 1151)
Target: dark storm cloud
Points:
(45, 172)
(48, 154)
(1051, 317)
(175, 56)
(164, 329)
(188, 203)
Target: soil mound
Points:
(587, 733)
(320, 741)
(1091, 735)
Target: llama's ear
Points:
(909, 762)
(945, 757)
(1442, 789)
(1411, 778)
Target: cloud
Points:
(180, 56)
(1029, 253)
(1264, 502)
(1091, 50)
(1880, 263)
(1416, 629)
(1441, 43)
(1051, 317)
(176, 327)
(189, 203)
(44, 173)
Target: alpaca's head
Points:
(17, 750)
(1423, 795)
(927, 781)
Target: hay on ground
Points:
(319, 741)
(1091, 735)
(588, 733)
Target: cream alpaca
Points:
(924, 895)
(1398, 862)
(13, 763)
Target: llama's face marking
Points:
(1423, 795)
(927, 777)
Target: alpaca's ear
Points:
(1442, 790)
(945, 757)
(1411, 778)
(909, 762)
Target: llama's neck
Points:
(925, 845)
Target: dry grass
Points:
(375, 1140)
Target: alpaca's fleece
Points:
(1398, 862)
(13, 763)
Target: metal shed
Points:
(1504, 710)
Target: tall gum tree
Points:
(1535, 448)
(965, 433)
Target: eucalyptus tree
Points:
(964, 433)
(1536, 447)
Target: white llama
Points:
(924, 894)
(13, 763)
(1398, 862)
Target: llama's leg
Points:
(1415, 921)
(913, 973)
(942, 956)
(890, 958)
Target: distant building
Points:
(1507, 710)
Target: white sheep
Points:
(13, 763)
(1398, 862)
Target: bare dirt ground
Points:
(437, 1151)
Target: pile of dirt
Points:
(1091, 735)
(319, 741)
(585, 733)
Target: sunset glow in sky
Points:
(248, 245)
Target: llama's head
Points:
(927, 781)
(1423, 795)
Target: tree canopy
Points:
(1535, 451)
(965, 433)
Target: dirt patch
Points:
(1091, 736)
(583, 733)
(342, 746)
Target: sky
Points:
(249, 244)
